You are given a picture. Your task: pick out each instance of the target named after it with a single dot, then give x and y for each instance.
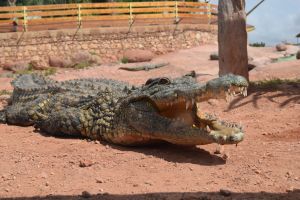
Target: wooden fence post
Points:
(209, 12)
(79, 21)
(25, 22)
(176, 12)
(130, 14)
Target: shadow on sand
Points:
(290, 89)
(177, 154)
(294, 195)
(163, 150)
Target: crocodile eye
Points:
(159, 81)
(164, 81)
(149, 81)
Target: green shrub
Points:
(257, 44)
(124, 60)
(82, 65)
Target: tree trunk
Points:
(232, 38)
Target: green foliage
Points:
(25, 71)
(124, 60)
(82, 65)
(257, 44)
(49, 71)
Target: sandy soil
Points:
(264, 166)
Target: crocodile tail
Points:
(26, 82)
(31, 84)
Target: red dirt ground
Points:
(266, 165)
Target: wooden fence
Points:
(45, 17)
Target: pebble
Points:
(86, 194)
(225, 192)
(225, 156)
(148, 183)
(44, 175)
(257, 171)
(290, 189)
(85, 163)
(213, 102)
(99, 181)
(219, 149)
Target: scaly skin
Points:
(101, 109)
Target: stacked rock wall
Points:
(107, 43)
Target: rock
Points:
(225, 156)
(95, 59)
(7, 65)
(298, 55)
(81, 57)
(85, 163)
(225, 192)
(86, 194)
(97, 142)
(44, 175)
(148, 183)
(281, 47)
(57, 61)
(39, 65)
(219, 149)
(99, 181)
(84, 57)
(257, 171)
(213, 102)
(290, 189)
(17, 66)
(214, 56)
(138, 55)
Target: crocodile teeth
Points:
(208, 129)
(187, 105)
(245, 92)
(229, 96)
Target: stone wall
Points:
(108, 43)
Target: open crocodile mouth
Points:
(234, 91)
(184, 110)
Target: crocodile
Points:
(160, 110)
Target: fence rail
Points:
(43, 17)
